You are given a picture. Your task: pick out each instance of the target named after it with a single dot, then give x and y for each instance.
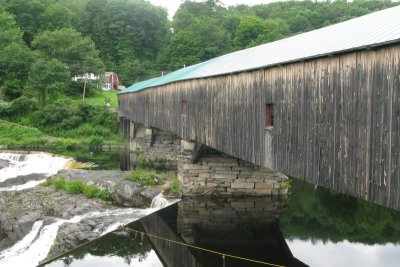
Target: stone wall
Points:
(154, 143)
(225, 175)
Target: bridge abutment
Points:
(214, 172)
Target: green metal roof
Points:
(375, 29)
(169, 78)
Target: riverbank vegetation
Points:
(152, 178)
(45, 43)
(78, 187)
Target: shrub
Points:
(142, 159)
(91, 191)
(96, 141)
(145, 177)
(12, 89)
(59, 183)
(75, 187)
(176, 188)
(103, 195)
(23, 106)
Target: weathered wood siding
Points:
(337, 119)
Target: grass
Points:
(78, 187)
(145, 177)
(15, 134)
(99, 97)
(176, 187)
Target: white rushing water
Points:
(35, 246)
(160, 202)
(24, 164)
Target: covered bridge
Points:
(323, 106)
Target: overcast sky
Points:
(172, 5)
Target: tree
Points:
(127, 32)
(248, 30)
(56, 16)
(15, 57)
(48, 77)
(70, 47)
(26, 14)
(185, 48)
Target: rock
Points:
(123, 192)
(149, 194)
(22, 179)
(19, 210)
(4, 163)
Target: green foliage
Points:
(74, 187)
(142, 159)
(71, 48)
(81, 120)
(78, 187)
(9, 31)
(22, 106)
(14, 134)
(253, 31)
(103, 195)
(12, 89)
(145, 177)
(96, 141)
(59, 183)
(48, 77)
(91, 191)
(133, 35)
(176, 187)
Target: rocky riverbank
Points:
(81, 219)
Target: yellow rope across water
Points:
(223, 255)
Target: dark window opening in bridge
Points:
(184, 107)
(269, 115)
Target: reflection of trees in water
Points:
(127, 246)
(328, 216)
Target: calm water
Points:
(314, 227)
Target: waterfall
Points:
(30, 163)
(24, 164)
(35, 246)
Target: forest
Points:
(43, 43)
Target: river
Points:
(312, 226)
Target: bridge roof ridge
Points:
(372, 30)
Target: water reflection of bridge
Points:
(246, 228)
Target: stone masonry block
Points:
(223, 176)
(236, 185)
(205, 175)
(187, 145)
(267, 186)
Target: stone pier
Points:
(214, 172)
(154, 143)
